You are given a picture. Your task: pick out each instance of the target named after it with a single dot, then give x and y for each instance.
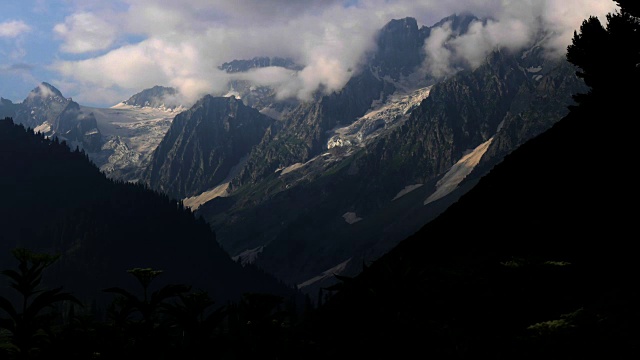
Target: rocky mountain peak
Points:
(459, 22)
(236, 66)
(399, 47)
(43, 104)
(156, 97)
(45, 93)
(45, 90)
(223, 106)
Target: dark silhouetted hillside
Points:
(56, 201)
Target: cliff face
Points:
(203, 144)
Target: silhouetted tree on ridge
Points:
(609, 59)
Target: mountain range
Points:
(309, 189)
(338, 181)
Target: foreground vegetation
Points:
(151, 322)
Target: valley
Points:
(310, 189)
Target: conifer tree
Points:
(608, 58)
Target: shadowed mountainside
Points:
(56, 201)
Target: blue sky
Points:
(101, 52)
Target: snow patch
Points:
(351, 217)
(407, 189)
(336, 270)
(248, 256)
(122, 105)
(534, 69)
(291, 168)
(195, 202)
(43, 128)
(232, 93)
(140, 129)
(163, 108)
(381, 118)
(220, 190)
(458, 172)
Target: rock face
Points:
(303, 133)
(7, 108)
(400, 47)
(203, 144)
(78, 126)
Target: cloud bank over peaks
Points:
(447, 51)
(188, 59)
(181, 44)
(513, 26)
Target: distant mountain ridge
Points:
(119, 139)
(46, 110)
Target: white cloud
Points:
(439, 57)
(85, 32)
(481, 39)
(13, 28)
(152, 62)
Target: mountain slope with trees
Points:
(56, 201)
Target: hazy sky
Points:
(101, 52)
